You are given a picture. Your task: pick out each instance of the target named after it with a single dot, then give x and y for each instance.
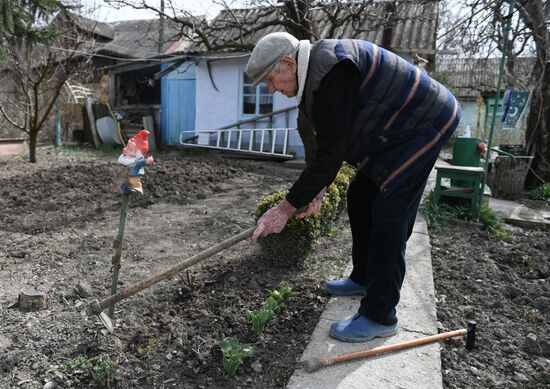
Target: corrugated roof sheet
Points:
(85, 24)
(470, 77)
(413, 23)
(140, 38)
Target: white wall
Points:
(216, 109)
(222, 107)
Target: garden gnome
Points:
(134, 159)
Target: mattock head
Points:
(95, 309)
(471, 335)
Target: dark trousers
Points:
(380, 228)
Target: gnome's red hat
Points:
(142, 141)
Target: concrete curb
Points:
(419, 367)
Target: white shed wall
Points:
(222, 107)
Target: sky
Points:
(102, 11)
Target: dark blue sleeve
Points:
(334, 110)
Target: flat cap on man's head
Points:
(268, 51)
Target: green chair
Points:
(465, 174)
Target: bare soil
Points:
(58, 223)
(57, 227)
(504, 286)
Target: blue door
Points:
(178, 103)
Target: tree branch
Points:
(10, 121)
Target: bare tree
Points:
(36, 63)
(238, 28)
(479, 32)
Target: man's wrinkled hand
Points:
(314, 206)
(274, 220)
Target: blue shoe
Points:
(345, 287)
(360, 329)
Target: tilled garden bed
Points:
(504, 286)
(59, 221)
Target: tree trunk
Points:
(33, 140)
(537, 135)
(509, 177)
(538, 132)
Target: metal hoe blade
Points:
(106, 320)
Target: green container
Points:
(466, 153)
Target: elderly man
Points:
(383, 115)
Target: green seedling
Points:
(102, 371)
(276, 299)
(151, 345)
(105, 372)
(286, 292)
(259, 319)
(234, 353)
(78, 364)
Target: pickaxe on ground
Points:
(470, 332)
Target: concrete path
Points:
(419, 367)
(512, 211)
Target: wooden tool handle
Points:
(392, 347)
(135, 288)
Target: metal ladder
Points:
(267, 142)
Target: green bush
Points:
(541, 192)
(296, 239)
(342, 181)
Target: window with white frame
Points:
(256, 100)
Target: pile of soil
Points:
(59, 220)
(504, 286)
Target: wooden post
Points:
(118, 250)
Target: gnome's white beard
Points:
(126, 160)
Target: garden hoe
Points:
(97, 307)
(315, 363)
